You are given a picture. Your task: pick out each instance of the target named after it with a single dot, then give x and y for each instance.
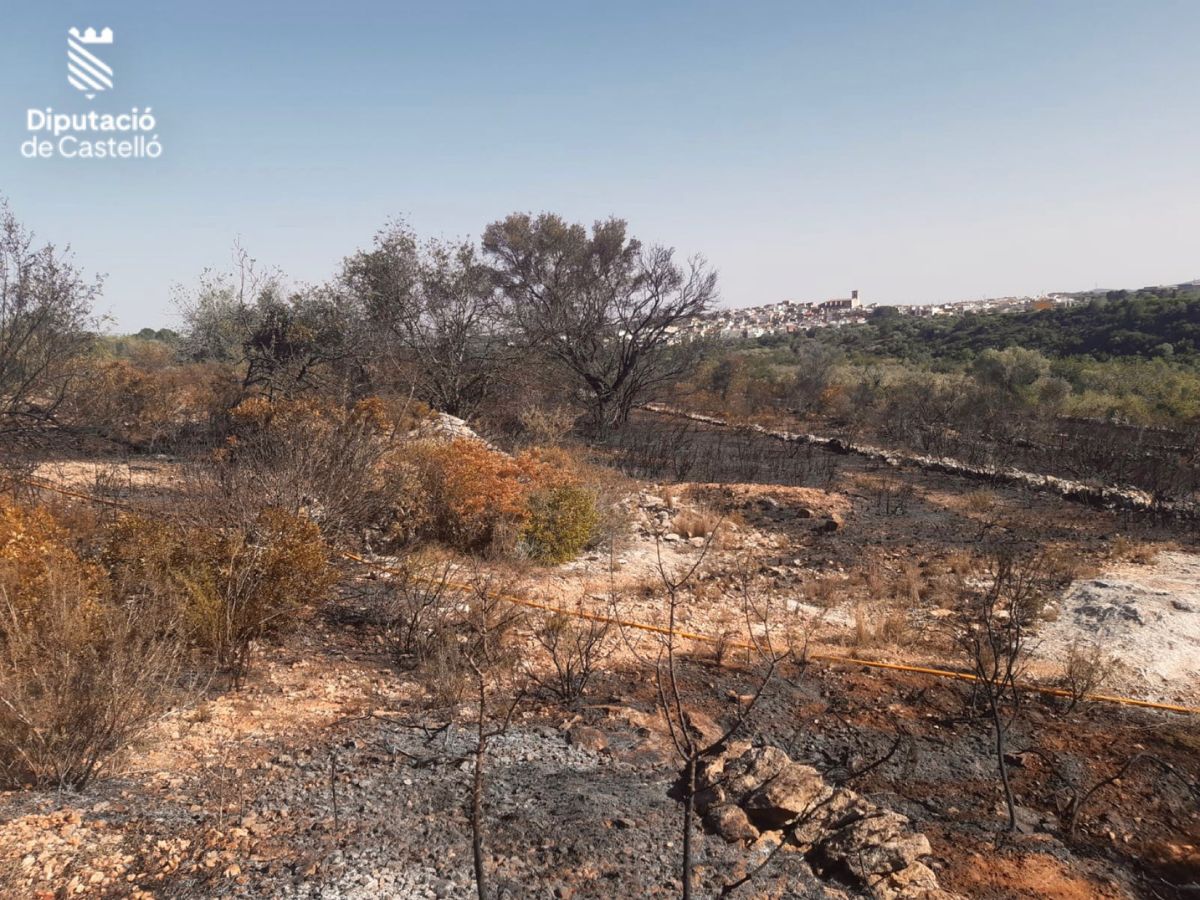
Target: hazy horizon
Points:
(921, 152)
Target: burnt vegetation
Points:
(556, 623)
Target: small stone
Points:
(1028, 820)
(834, 523)
(588, 738)
(730, 822)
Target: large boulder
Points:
(879, 843)
(442, 426)
(749, 791)
(796, 791)
(746, 772)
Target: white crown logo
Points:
(86, 71)
(91, 37)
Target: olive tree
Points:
(301, 340)
(287, 339)
(1012, 370)
(45, 322)
(219, 312)
(434, 312)
(602, 306)
(816, 369)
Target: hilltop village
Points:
(788, 316)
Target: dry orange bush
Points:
(36, 551)
(481, 500)
(227, 587)
(282, 418)
(83, 667)
(477, 498)
(153, 403)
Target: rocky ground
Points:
(1144, 617)
(334, 773)
(329, 775)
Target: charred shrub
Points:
(83, 667)
(228, 587)
(308, 456)
(576, 649)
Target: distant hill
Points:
(1150, 322)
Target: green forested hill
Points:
(1152, 322)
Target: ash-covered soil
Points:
(328, 775)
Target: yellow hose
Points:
(692, 636)
(819, 657)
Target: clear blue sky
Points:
(915, 151)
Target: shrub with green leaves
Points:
(561, 522)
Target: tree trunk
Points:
(477, 803)
(998, 725)
(689, 799)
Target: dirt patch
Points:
(985, 876)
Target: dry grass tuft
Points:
(1130, 550)
(879, 626)
(824, 592)
(696, 522)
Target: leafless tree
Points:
(489, 655)
(691, 745)
(602, 306)
(993, 629)
(45, 317)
